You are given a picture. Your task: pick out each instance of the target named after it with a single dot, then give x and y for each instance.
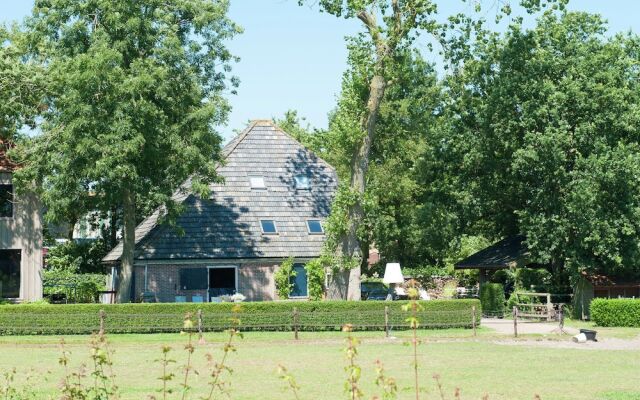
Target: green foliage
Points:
(77, 257)
(492, 298)
(316, 278)
(22, 85)
(136, 90)
(540, 137)
(615, 312)
(168, 317)
(77, 288)
(282, 278)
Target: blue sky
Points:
(293, 57)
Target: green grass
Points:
(476, 365)
(613, 332)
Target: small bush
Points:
(278, 315)
(492, 298)
(616, 312)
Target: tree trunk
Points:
(128, 245)
(359, 167)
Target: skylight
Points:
(257, 182)
(314, 226)
(303, 182)
(268, 226)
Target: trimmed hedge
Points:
(616, 312)
(168, 317)
(492, 298)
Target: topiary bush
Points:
(492, 299)
(616, 312)
(167, 317)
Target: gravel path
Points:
(505, 326)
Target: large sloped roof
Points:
(509, 252)
(227, 225)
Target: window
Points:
(257, 182)
(314, 226)
(303, 182)
(299, 281)
(9, 274)
(6, 201)
(268, 226)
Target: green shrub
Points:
(77, 288)
(282, 278)
(492, 298)
(616, 312)
(278, 315)
(315, 277)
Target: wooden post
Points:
(386, 321)
(295, 322)
(473, 319)
(200, 324)
(561, 319)
(515, 321)
(549, 307)
(102, 316)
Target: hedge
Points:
(168, 317)
(492, 298)
(615, 312)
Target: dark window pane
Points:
(9, 274)
(6, 201)
(268, 226)
(222, 282)
(299, 281)
(314, 226)
(193, 278)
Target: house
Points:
(593, 286)
(272, 205)
(20, 238)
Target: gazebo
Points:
(510, 252)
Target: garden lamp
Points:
(392, 277)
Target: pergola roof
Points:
(507, 253)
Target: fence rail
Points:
(295, 320)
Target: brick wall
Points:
(255, 281)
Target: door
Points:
(10, 274)
(222, 282)
(299, 281)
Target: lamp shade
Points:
(393, 273)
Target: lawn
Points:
(475, 365)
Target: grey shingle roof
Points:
(227, 225)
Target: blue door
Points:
(299, 281)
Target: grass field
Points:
(475, 365)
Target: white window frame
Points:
(315, 233)
(210, 267)
(298, 187)
(275, 225)
(264, 183)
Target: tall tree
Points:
(137, 90)
(544, 138)
(391, 26)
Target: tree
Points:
(391, 26)
(544, 126)
(137, 89)
(21, 86)
(394, 32)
